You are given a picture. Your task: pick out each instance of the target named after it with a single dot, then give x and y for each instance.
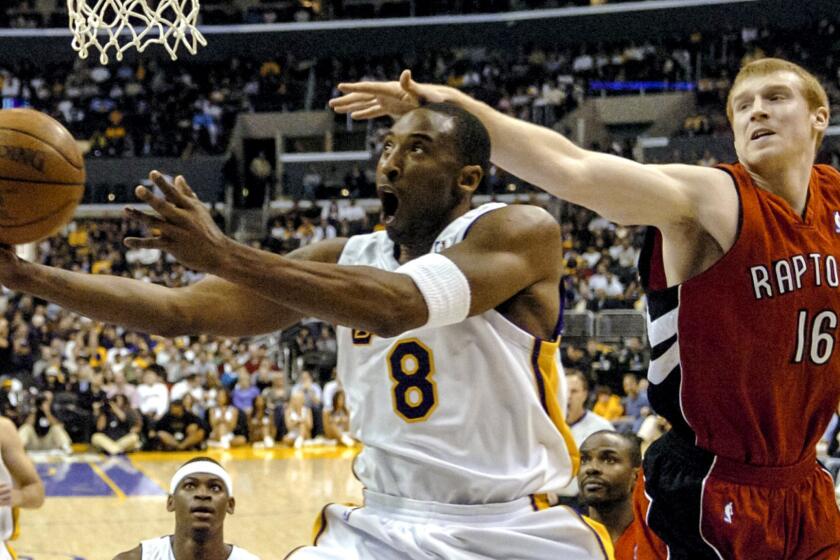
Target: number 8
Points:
(412, 366)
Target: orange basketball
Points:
(42, 176)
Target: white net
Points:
(119, 25)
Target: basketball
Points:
(42, 176)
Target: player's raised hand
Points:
(369, 100)
(182, 225)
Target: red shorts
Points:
(721, 510)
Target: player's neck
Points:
(409, 251)
(616, 517)
(187, 547)
(787, 179)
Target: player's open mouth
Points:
(390, 205)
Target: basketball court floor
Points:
(97, 507)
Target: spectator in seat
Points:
(244, 394)
(607, 405)
(153, 396)
(178, 430)
(313, 398)
(337, 421)
(224, 419)
(298, 418)
(261, 428)
(42, 430)
(117, 426)
(635, 404)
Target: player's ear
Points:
(470, 178)
(231, 505)
(170, 503)
(820, 118)
(634, 477)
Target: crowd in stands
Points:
(66, 379)
(53, 13)
(159, 108)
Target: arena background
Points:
(245, 120)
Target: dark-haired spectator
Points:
(118, 427)
(337, 421)
(261, 427)
(178, 430)
(42, 430)
(224, 421)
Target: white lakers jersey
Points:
(463, 414)
(8, 515)
(161, 549)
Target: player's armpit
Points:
(507, 251)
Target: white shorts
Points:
(6, 552)
(391, 528)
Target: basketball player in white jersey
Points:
(447, 345)
(201, 496)
(20, 486)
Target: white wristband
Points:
(444, 287)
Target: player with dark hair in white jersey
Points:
(201, 496)
(447, 343)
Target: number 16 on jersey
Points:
(815, 338)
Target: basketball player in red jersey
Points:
(742, 279)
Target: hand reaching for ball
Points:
(182, 225)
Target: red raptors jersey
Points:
(744, 357)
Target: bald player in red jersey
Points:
(743, 302)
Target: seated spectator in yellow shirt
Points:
(607, 405)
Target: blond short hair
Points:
(812, 90)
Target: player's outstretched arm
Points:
(211, 306)
(29, 490)
(621, 190)
(361, 297)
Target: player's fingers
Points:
(372, 113)
(358, 107)
(350, 99)
(414, 89)
(169, 190)
(184, 188)
(148, 219)
(371, 88)
(163, 207)
(145, 242)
